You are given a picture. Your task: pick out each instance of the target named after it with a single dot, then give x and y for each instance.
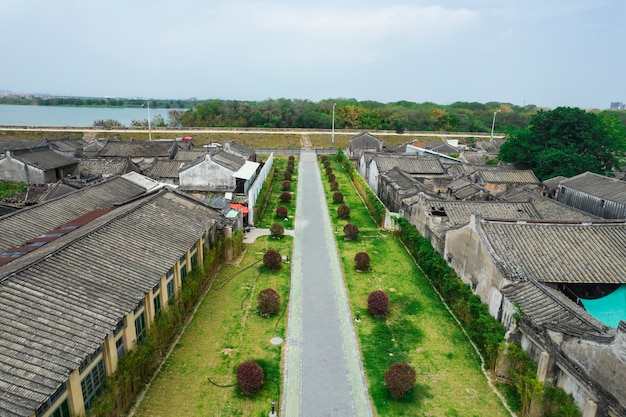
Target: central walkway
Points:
(323, 370)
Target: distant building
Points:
(617, 105)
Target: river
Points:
(61, 116)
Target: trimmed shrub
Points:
(400, 378)
(282, 212)
(324, 158)
(362, 261)
(343, 212)
(334, 186)
(287, 176)
(351, 231)
(250, 377)
(277, 230)
(331, 177)
(290, 168)
(337, 197)
(291, 158)
(285, 197)
(269, 301)
(329, 170)
(286, 185)
(378, 303)
(326, 163)
(272, 259)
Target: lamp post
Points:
(333, 128)
(273, 412)
(149, 126)
(493, 124)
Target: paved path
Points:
(323, 370)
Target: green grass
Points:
(269, 215)
(418, 330)
(225, 332)
(7, 189)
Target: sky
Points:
(548, 53)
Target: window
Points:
(140, 326)
(139, 306)
(89, 359)
(93, 383)
(48, 403)
(120, 347)
(157, 304)
(170, 290)
(194, 259)
(63, 410)
(119, 326)
(183, 272)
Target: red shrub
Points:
(329, 170)
(351, 231)
(334, 186)
(282, 212)
(286, 185)
(272, 259)
(400, 379)
(269, 301)
(331, 177)
(285, 197)
(378, 303)
(249, 377)
(290, 168)
(343, 212)
(324, 158)
(337, 197)
(287, 175)
(362, 261)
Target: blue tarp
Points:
(610, 309)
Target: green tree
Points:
(567, 141)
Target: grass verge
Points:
(418, 330)
(226, 331)
(269, 214)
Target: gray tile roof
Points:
(140, 148)
(406, 185)
(32, 221)
(16, 144)
(549, 208)
(409, 163)
(365, 140)
(599, 186)
(103, 167)
(164, 168)
(507, 176)
(58, 305)
(228, 160)
(43, 158)
(551, 309)
(579, 253)
(554, 182)
(190, 155)
(459, 212)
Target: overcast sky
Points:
(544, 52)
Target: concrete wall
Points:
(16, 171)
(207, 173)
(590, 204)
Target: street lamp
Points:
(493, 124)
(333, 129)
(149, 126)
(273, 412)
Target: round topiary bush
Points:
(329, 170)
(378, 303)
(331, 177)
(285, 197)
(400, 379)
(326, 163)
(249, 377)
(282, 212)
(286, 185)
(334, 186)
(272, 259)
(324, 158)
(277, 230)
(362, 261)
(269, 301)
(290, 168)
(287, 175)
(351, 231)
(337, 197)
(291, 158)
(343, 212)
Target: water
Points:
(56, 116)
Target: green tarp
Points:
(610, 309)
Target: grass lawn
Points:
(418, 330)
(269, 215)
(225, 332)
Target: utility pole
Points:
(333, 128)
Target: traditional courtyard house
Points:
(498, 181)
(97, 169)
(549, 208)
(141, 152)
(72, 148)
(426, 169)
(395, 186)
(35, 166)
(213, 173)
(465, 190)
(363, 142)
(18, 144)
(552, 185)
(596, 194)
(543, 273)
(75, 298)
(435, 217)
(165, 170)
(242, 151)
(444, 158)
(442, 147)
(363, 164)
(190, 155)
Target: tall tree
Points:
(567, 141)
